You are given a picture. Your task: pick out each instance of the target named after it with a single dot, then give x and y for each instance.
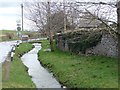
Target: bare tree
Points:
(40, 14)
(77, 13)
(37, 13)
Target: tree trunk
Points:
(118, 27)
(64, 16)
(49, 27)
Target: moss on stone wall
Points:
(81, 40)
(84, 42)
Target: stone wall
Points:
(61, 43)
(106, 47)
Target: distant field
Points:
(10, 31)
(7, 31)
(7, 35)
(3, 32)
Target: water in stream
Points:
(40, 76)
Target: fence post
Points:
(6, 67)
(0, 76)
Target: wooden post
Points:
(6, 67)
(22, 19)
(0, 76)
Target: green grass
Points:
(80, 71)
(13, 33)
(19, 77)
(7, 31)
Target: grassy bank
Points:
(80, 71)
(19, 77)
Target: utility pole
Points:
(22, 19)
(49, 26)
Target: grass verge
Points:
(75, 71)
(19, 77)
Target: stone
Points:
(47, 50)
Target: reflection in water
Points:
(40, 76)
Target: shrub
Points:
(9, 35)
(82, 40)
(82, 44)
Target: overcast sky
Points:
(10, 12)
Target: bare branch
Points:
(103, 22)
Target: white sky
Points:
(8, 17)
(10, 12)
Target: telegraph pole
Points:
(22, 19)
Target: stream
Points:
(40, 76)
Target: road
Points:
(5, 48)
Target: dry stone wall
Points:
(106, 47)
